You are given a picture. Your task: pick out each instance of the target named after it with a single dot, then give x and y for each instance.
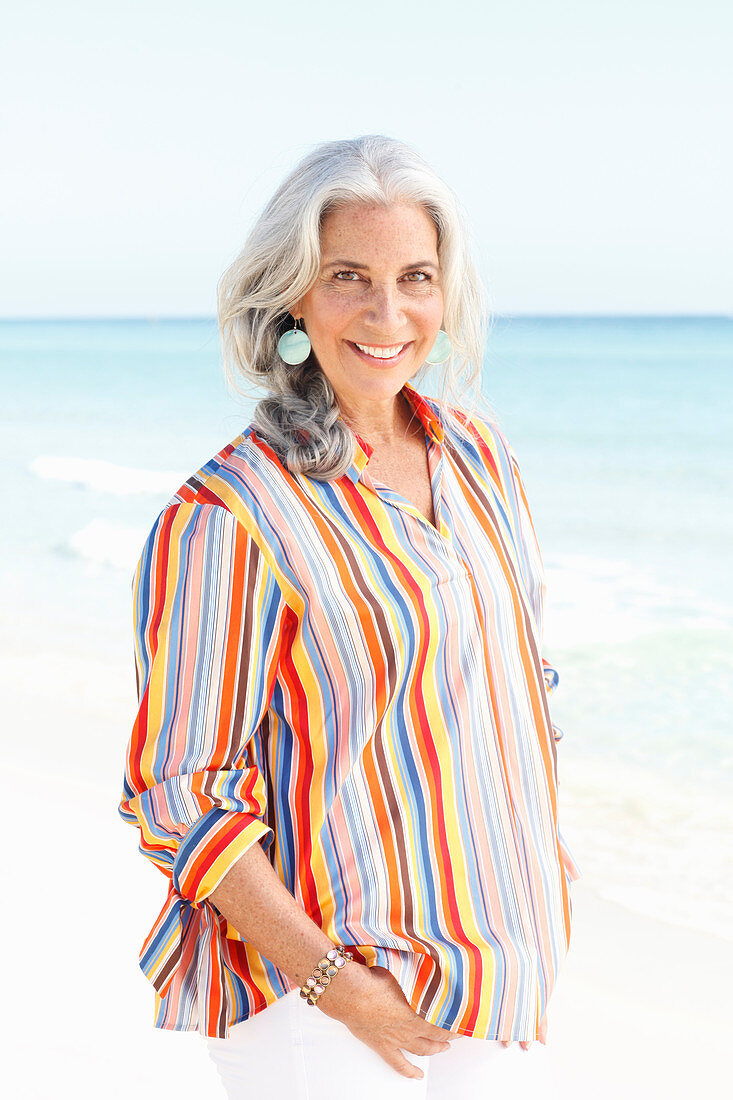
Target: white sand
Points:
(642, 1009)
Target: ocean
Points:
(622, 428)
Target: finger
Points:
(421, 1045)
(403, 1065)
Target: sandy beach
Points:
(640, 1009)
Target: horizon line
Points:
(508, 316)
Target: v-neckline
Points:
(398, 499)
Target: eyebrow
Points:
(365, 267)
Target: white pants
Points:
(292, 1051)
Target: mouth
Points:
(385, 354)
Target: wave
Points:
(106, 477)
(593, 600)
(106, 543)
(656, 844)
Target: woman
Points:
(338, 633)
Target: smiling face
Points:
(377, 305)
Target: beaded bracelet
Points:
(327, 968)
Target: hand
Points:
(369, 1000)
(526, 1044)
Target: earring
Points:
(294, 346)
(440, 350)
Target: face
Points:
(377, 305)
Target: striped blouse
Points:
(322, 670)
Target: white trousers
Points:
(291, 1051)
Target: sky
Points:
(588, 141)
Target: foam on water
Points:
(594, 600)
(108, 544)
(656, 844)
(106, 477)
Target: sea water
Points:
(622, 428)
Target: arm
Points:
(205, 674)
(255, 901)
(533, 567)
(534, 573)
(208, 630)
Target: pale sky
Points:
(590, 142)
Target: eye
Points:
(421, 276)
(338, 274)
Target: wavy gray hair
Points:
(280, 261)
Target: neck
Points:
(381, 423)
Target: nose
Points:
(384, 313)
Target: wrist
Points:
(328, 968)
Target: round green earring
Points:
(294, 346)
(440, 350)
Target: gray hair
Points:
(280, 261)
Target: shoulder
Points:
(239, 486)
(478, 440)
(234, 475)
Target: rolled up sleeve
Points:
(208, 616)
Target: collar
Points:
(425, 413)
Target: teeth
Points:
(381, 353)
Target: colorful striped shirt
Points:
(322, 670)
